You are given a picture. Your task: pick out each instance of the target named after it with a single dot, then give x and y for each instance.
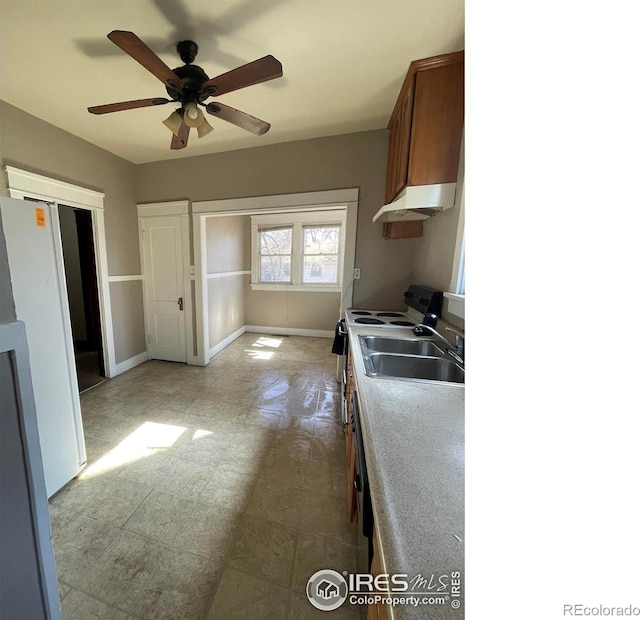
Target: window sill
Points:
(296, 288)
(456, 304)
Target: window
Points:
(298, 251)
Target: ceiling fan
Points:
(190, 86)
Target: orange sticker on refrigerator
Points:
(40, 221)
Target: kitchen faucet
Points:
(457, 353)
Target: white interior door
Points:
(39, 289)
(163, 279)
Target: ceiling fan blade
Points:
(241, 119)
(180, 141)
(261, 70)
(127, 105)
(138, 50)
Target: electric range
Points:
(420, 300)
(380, 318)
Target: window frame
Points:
(297, 220)
(456, 295)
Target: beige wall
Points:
(296, 310)
(29, 143)
(435, 250)
(227, 299)
(128, 319)
(3, 180)
(336, 162)
(227, 241)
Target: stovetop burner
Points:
(393, 319)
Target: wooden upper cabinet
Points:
(425, 129)
(399, 140)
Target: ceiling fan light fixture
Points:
(173, 122)
(204, 128)
(193, 117)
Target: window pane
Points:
(321, 239)
(321, 254)
(320, 269)
(276, 240)
(275, 269)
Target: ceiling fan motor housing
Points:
(193, 77)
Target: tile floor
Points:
(210, 492)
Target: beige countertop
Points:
(413, 435)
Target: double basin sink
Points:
(409, 359)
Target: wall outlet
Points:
(356, 273)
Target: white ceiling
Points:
(343, 64)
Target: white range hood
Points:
(418, 202)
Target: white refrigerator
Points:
(36, 267)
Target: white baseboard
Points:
(131, 363)
(226, 342)
(291, 331)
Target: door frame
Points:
(24, 184)
(168, 209)
(346, 199)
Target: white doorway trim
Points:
(24, 184)
(346, 199)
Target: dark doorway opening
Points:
(76, 228)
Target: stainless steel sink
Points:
(380, 344)
(409, 359)
(414, 367)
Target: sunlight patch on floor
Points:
(149, 438)
(259, 355)
(200, 433)
(266, 341)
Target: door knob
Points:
(180, 303)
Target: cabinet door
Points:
(402, 230)
(436, 131)
(398, 150)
